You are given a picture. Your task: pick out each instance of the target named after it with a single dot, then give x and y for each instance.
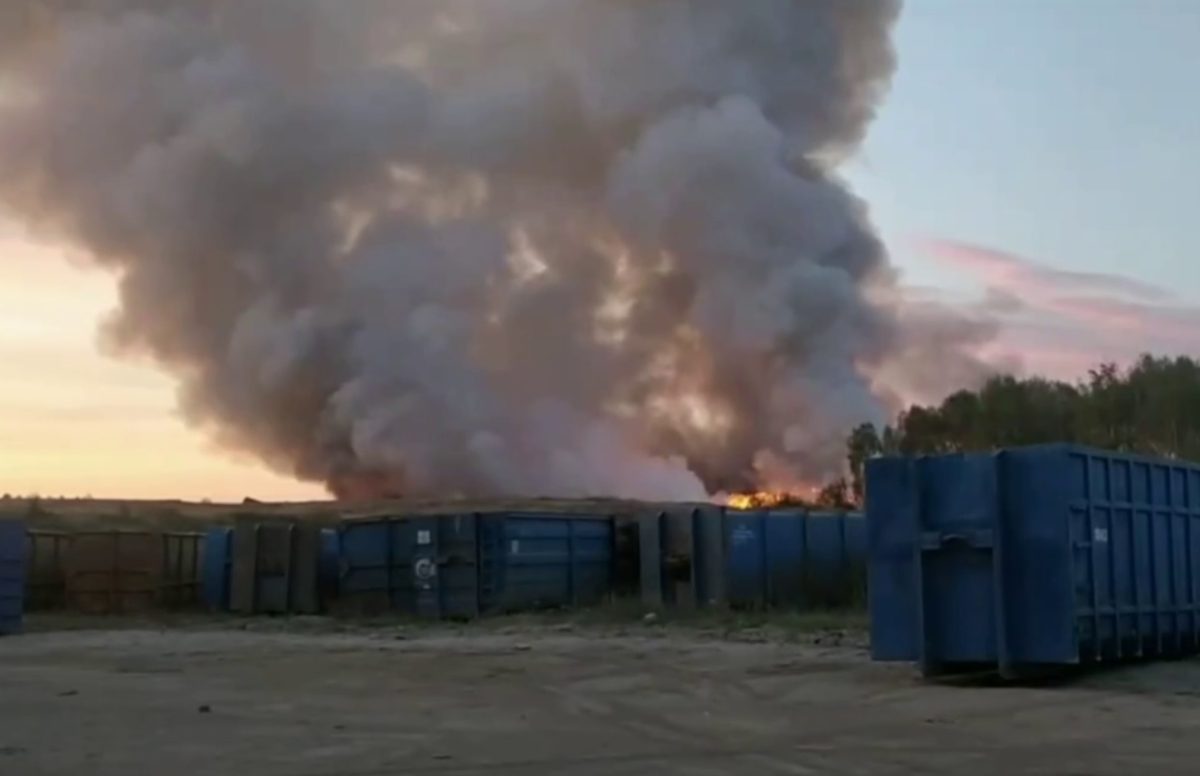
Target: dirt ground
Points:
(224, 700)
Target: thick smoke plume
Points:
(537, 247)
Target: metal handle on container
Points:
(979, 539)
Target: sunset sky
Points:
(1036, 159)
(75, 421)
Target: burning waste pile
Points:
(767, 499)
(530, 247)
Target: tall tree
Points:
(864, 443)
(1152, 407)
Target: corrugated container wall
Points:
(46, 574)
(460, 566)
(113, 572)
(274, 567)
(1037, 556)
(682, 556)
(626, 556)
(528, 561)
(272, 586)
(327, 572)
(793, 558)
(425, 566)
(110, 572)
(182, 580)
(12, 575)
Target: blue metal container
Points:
(836, 563)
(1051, 555)
(425, 566)
(855, 538)
(12, 576)
(794, 558)
(826, 542)
(327, 569)
(460, 566)
(710, 565)
(529, 561)
(746, 558)
(218, 564)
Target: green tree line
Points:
(1152, 407)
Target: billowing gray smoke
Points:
(555, 247)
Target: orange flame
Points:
(766, 499)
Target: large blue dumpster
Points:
(793, 558)
(12, 576)
(424, 566)
(463, 565)
(1050, 555)
(529, 560)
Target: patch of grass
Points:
(58, 621)
(621, 617)
(630, 617)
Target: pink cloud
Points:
(1061, 323)
(1014, 273)
(1180, 322)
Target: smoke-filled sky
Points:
(533, 247)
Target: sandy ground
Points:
(233, 702)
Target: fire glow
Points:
(768, 499)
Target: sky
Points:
(1057, 134)
(74, 421)
(1035, 161)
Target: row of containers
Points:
(443, 566)
(465, 565)
(1033, 558)
(1019, 560)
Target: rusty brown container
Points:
(46, 580)
(113, 572)
(182, 564)
(116, 572)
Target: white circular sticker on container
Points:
(425, 569)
